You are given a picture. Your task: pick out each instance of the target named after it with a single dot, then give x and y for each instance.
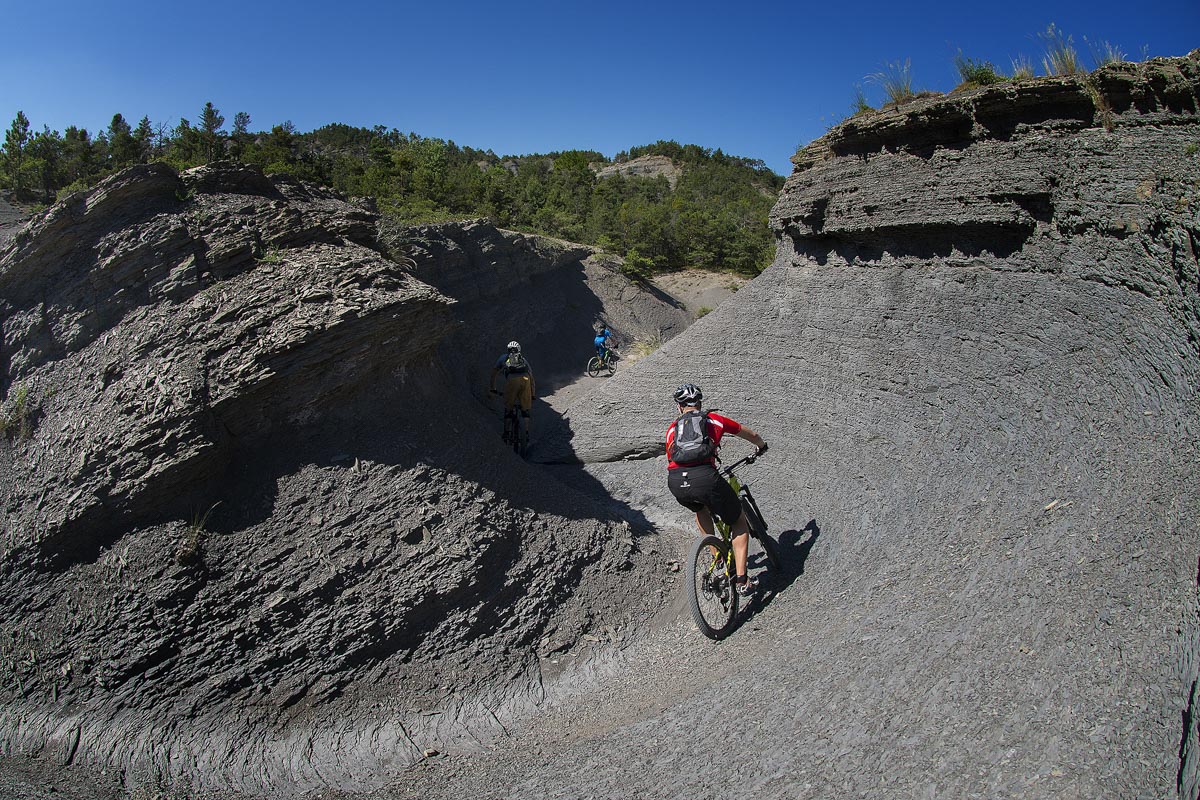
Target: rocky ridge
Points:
(250, 541)
(975, 358)
(643, 167)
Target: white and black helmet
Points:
(688, 395)
(514, 346)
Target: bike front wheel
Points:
(711, 596)
(518, 434)
(593, 367)
(758, 530)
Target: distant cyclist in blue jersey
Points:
(603, 335)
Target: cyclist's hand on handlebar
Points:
(761, 450)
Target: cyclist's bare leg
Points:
(704, 520)
(741, 543)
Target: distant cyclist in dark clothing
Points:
(519, 387)
(700, 487)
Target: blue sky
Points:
(756, 78)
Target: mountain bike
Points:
(516, 432)
(607, 364)
(711, 594)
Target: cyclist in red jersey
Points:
(699, 487)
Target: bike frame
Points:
(723, 528)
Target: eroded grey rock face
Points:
(255, 534)
(975, 361)
(150, 331)
(646, 167)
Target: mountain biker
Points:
(700, 487)
(519, 386)
(603, 335)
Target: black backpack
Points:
(515, 364)
(692, 443)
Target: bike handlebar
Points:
(750, 459)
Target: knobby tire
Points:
(518, 432)
(758, 529)
(711, 596)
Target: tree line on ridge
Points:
(714, 217)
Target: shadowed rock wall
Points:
(255, 535)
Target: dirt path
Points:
(643, 707)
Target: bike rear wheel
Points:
(711, 596)
(593, 367)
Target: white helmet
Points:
(514, 346)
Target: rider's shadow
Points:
(794, 547)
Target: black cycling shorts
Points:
(703, 487)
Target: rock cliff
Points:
(259, 530)
(643, 167)
(975, 361)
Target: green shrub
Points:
(976, 73)
(190, 552)
(16, 416)
(273, 255)
(703, 310)
(637, 267)
(70, 189)
(860, 104)
(646, 345)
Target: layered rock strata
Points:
(255, 534)
(975, 360)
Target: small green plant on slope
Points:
(646, 345)
(16, 417)
(974, 73)
(860, 104)
(190, 551)
(637, 267)
(1061, 57)
(1103, 109)
(896, 81)
(702, 311)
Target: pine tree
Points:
(122, 148)
(210, 131)
(241, 133)
(143, 139)
(78, 155)
(15, 140)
